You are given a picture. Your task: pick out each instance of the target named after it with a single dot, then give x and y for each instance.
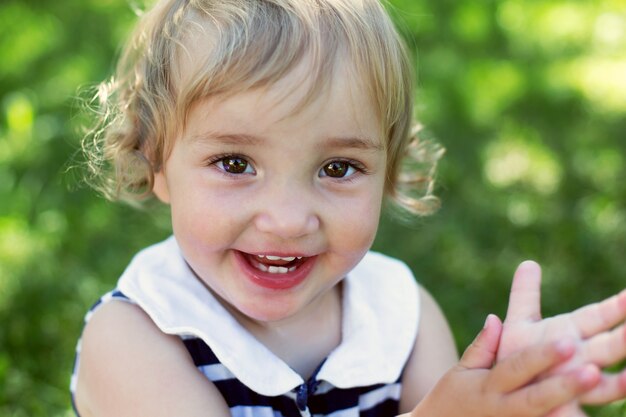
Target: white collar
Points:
(381, 308)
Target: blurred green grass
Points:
(528, 97)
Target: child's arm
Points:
(129, 368)
(595, 328)
(474, 388)
(433, 355)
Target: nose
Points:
(287, 212)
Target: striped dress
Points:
(361, 377)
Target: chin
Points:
(269, 312)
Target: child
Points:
(273, 129)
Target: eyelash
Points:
(356, 165)
(214, 160)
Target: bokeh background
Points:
(528, 97)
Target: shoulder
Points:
(128, 367)
(434, 352)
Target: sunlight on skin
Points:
(592, 328)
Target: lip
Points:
(271, 281)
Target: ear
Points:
(160, 187)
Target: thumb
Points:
(481, 354)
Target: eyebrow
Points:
(351, 142)
(362, 143)
(228, 138)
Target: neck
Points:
(305, 340)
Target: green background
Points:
(528, 97)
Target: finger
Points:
(522, 367)
(601, 316)
(612, 387)
(525, 297)
(606, 348)
(482, 352)
(548, 394)
(571, 409)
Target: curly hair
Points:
(246, 44)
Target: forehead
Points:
(339, 108)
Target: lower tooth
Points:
(273, 269)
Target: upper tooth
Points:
(280, 258)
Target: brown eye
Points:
(336, 169)
(235, 165)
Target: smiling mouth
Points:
(275, 272)
(275, 264)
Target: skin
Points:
(593, 328)
(474, 388)
(543, 366)
(284, 202)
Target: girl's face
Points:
(272, 207)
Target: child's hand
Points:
(474, 388)
(591, 327)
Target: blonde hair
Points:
(248, 44)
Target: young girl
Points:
(273, 129)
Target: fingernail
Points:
(588, 374)
(529, 266)
(488, 320)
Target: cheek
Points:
(205, 213)
(356, 228)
